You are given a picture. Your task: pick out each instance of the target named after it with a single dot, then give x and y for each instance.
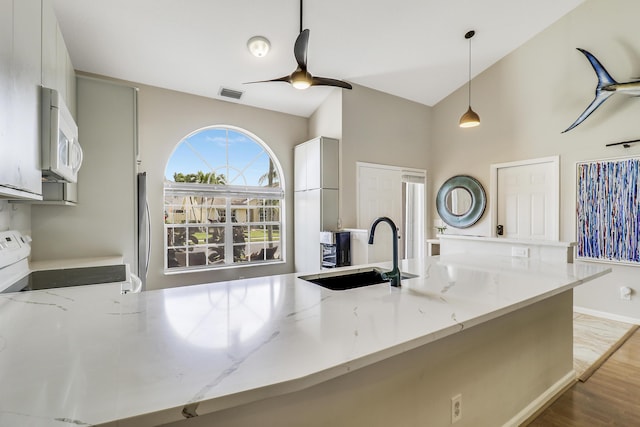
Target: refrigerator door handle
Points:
(148, 213)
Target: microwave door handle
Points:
(77, 154)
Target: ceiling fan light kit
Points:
(301, 79)
(259, 46)
(470, 118)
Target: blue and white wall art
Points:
(608, 210)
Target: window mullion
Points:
(228, 234)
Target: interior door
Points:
(527, 200)
(379, 194)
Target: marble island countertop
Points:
(88, 355)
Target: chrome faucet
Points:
(393, 275)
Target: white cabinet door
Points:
(307, 232)
(49, 45)
(316, 164)
(300, 167)
(315, 210)
(57, 69)
(20, 76)
(313, 161)
(70, 76)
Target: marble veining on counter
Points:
(88, 355)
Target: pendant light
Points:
(470, 118)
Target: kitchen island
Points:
(279, 350)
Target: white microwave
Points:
(61, 153)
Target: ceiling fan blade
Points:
(286, 79)
(324, 81)
(300, 49)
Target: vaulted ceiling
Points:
(414, 49)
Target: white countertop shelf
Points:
(88, 355)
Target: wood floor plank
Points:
(611, 397)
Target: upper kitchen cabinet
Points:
(20, 78)
(316, 164)
(57, 70)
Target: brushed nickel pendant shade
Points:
(470, 118)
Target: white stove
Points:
(17, 275)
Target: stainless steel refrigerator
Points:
(144, 230)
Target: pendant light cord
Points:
(470, 65)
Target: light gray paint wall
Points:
(15, 216)
(165, 117)
(379, 128)
(327, 119)
(103, 222)
(527, 99)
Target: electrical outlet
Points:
(456, 408)
(625, 293)
(521, 252)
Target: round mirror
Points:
(458, 201)
(461, 201)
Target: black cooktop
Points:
(51, 279)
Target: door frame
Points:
(493, 199)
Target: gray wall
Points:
(372, 127)
(527, 99)
(15, 216)
(103, 222)
(379, 128)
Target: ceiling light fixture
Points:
(470, 118)
(259, 46)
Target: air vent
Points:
(230, 93)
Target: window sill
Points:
(184, 270)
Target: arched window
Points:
(223, 200)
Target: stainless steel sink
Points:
(349, 279)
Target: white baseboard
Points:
(605, 315)
(542, 400)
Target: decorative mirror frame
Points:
(478, 201)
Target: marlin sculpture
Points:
(607, 86)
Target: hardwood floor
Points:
(611, 397)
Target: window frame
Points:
(255, 199)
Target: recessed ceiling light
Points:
(259, 46)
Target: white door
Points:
(527, 199)
(379, 194)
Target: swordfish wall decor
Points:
(607, 86)
(608, 210)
